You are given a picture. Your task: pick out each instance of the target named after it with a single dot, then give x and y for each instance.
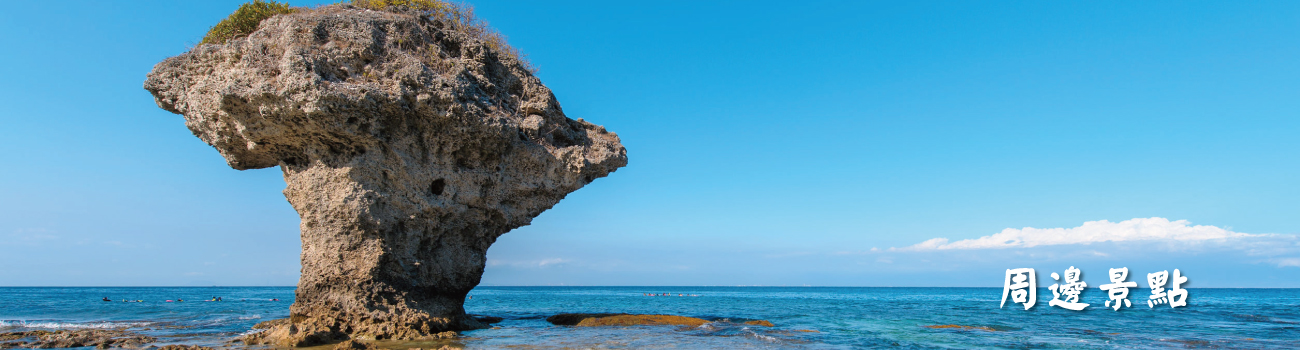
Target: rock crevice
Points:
(407, 147)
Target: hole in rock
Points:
(562, 139)
(437, 187)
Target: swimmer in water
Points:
(106, 299)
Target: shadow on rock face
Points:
(408, 147)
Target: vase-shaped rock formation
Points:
(408, 145)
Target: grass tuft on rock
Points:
(245, 20)
(429, 6)
(459, 16)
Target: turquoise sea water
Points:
(842, 318)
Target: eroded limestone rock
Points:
(98, 338)
(408, 147)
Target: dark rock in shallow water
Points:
(98, 338)
(642, 320)
(408, 144)
(596, 320)
(620, 319)
(574, 319)
(488, 319)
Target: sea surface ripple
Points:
(805, 317)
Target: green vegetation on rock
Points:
(245, 20)
(431, 6)
(460, 17)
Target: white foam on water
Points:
(69, 325)
(766, 338)
(251, 332)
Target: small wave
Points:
(253, 317)
(766, 338)
(251, 332)
(1261, 318)
(69, 325)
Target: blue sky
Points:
(771, 143)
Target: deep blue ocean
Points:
(805, 317)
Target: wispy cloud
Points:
(552, 261)
(1286, 262)
(529, 263)
(29, 236)
(1141, 229)
(1134, 236)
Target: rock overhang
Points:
(408, 147)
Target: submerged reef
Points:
(613, 319)
(410, 139)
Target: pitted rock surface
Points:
(97, 338)
(408, 146)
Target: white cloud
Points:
(551, 261)
(857, 252)
(1140, 229)
(528, 263)
(1285, 262)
